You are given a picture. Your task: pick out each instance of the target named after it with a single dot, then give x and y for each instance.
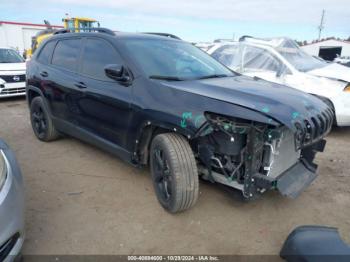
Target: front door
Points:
(103, 103)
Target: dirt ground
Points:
(81, 200)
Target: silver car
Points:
(11, 205)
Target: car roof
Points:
(117, 35)
(275, 42)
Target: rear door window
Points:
(66, 54)
(45, 54)
(98, 53)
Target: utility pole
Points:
(321, 26)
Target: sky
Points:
(195, 20)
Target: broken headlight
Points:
(228, 136)
(222, 143)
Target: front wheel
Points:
(174, 172)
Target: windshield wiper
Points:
(213, 76)
(169, 78)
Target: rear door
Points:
(62, 75)
(104, 104)
(38, 70)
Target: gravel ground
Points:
(81, 200)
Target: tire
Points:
(174, 172)
(41, 121)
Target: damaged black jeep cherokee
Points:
(161, 101)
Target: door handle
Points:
(44, 74)
(80, 85)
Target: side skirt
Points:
(90, 138)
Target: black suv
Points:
(156, 100)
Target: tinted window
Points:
(96, 55)
(66, 54)
(260, 59)
(46, 52)
(227, 55)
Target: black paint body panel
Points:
(118, 113)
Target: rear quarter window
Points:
(66, 54)
(45, 53)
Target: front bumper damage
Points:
(291, 183)
(297, 178)
(254, 157)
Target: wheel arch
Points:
(33, 92)
(146, 135)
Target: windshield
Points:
(298, 58)
(10, 56)
(174, 60)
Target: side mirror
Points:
(117, 72)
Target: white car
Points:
(12, 73)
(280, 60)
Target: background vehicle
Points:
(11, 205)
(160, 101)
(12, 73)
(281, 61)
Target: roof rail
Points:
(86, 30)
(164, 34)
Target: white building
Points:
(328, 49)
(19, 35)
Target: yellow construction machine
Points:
(74, 24)
(79, 24)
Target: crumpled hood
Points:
(12, 66)
(333, 71)
(279, 102)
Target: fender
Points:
(185, 123)
(40, 93)
(145, 134)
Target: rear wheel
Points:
(41, 121)
(174, 172)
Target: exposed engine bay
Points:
(254, 157)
